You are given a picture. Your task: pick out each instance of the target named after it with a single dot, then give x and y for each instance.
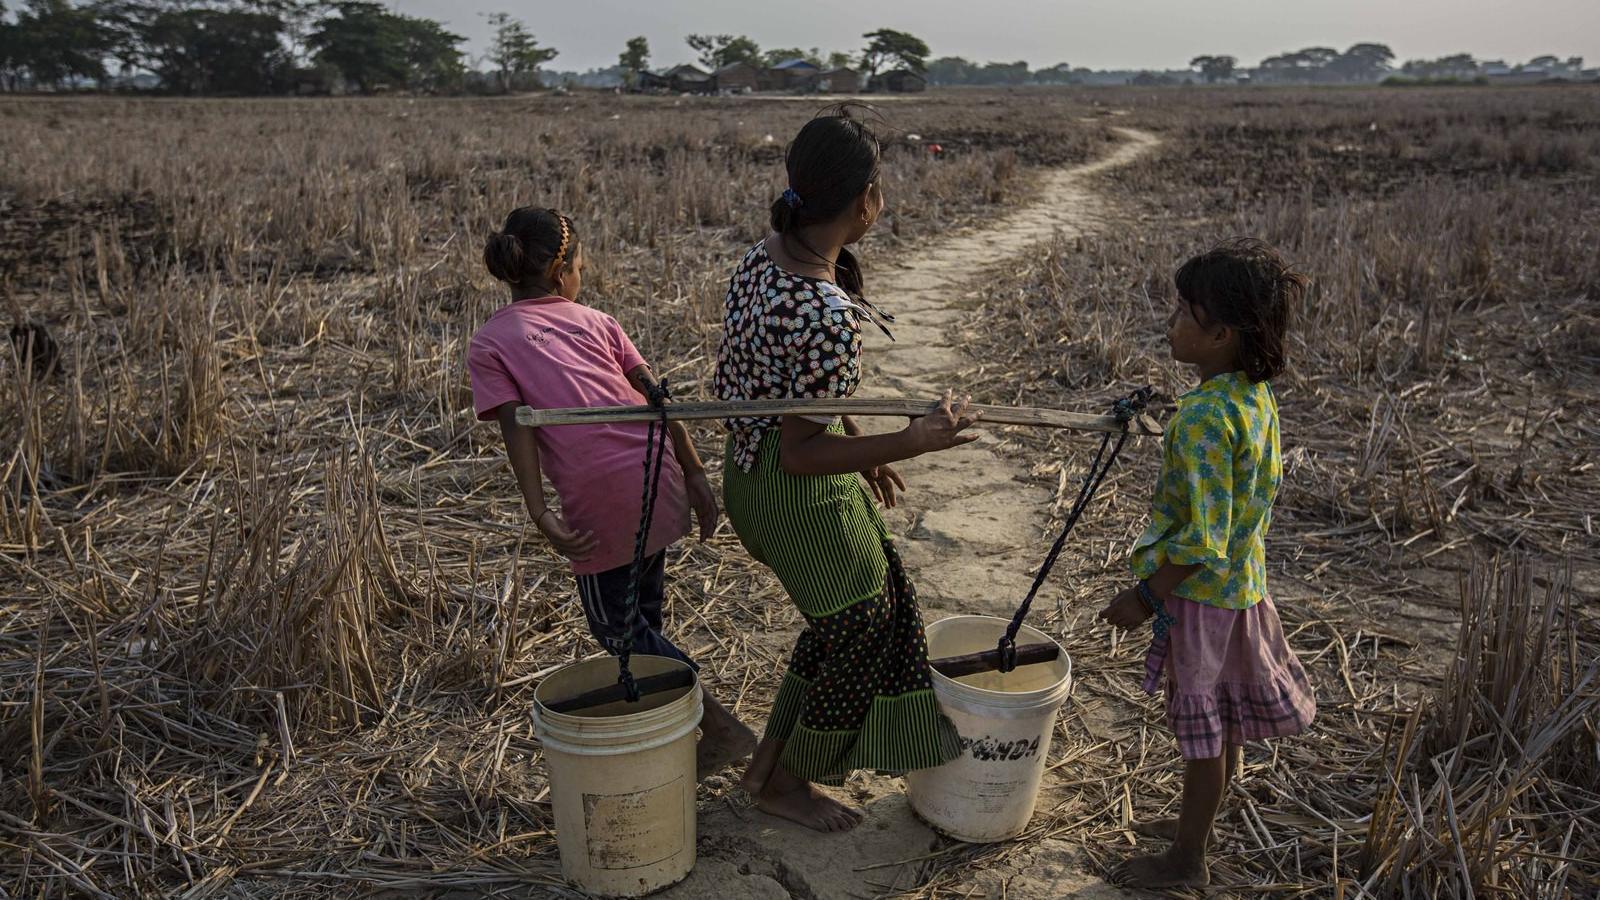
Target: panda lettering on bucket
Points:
(992, 749)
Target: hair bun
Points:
(530, 249)
(503, 257)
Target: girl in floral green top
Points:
(1201, 563)
(1213, 501)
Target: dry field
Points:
(1439, 414)
(272, 614)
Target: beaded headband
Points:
(566, 238)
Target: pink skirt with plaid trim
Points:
(1231, 677)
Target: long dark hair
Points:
(1246, 285)
(532, 248)
(830, 162)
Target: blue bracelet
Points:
(1163, 620)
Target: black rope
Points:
(655, 450)
(1125, 410)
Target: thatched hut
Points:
(792, 74)
(652, 81)
(837, 81)
(899, 81)
(737, 77)
(687, 79)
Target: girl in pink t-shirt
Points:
(546, 351)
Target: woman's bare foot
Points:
(1164, 829)
(1163, 870)
(762, 764)
(788, 797)
(724, 739)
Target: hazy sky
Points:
(1099, 34)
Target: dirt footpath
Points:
(969, 533)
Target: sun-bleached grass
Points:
(273, 612)
(1437, 413)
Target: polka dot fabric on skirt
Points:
(859, 692)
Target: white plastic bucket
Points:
(1005, 721)
(622, 778)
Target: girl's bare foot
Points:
(723, 739)
(720, 745)
(1165, 829)
(1163, 870)
(788, 797)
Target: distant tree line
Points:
(239, 47)
(885, 49)
(1464, 67)
(250, 47)
(954, 70)
(1362, 63)
(1366, 63)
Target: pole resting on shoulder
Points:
(1127, 411)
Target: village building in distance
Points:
(797, 76)
(898, 81)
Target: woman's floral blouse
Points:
(786, 336)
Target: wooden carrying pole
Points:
(949, 666)
(698, 409)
